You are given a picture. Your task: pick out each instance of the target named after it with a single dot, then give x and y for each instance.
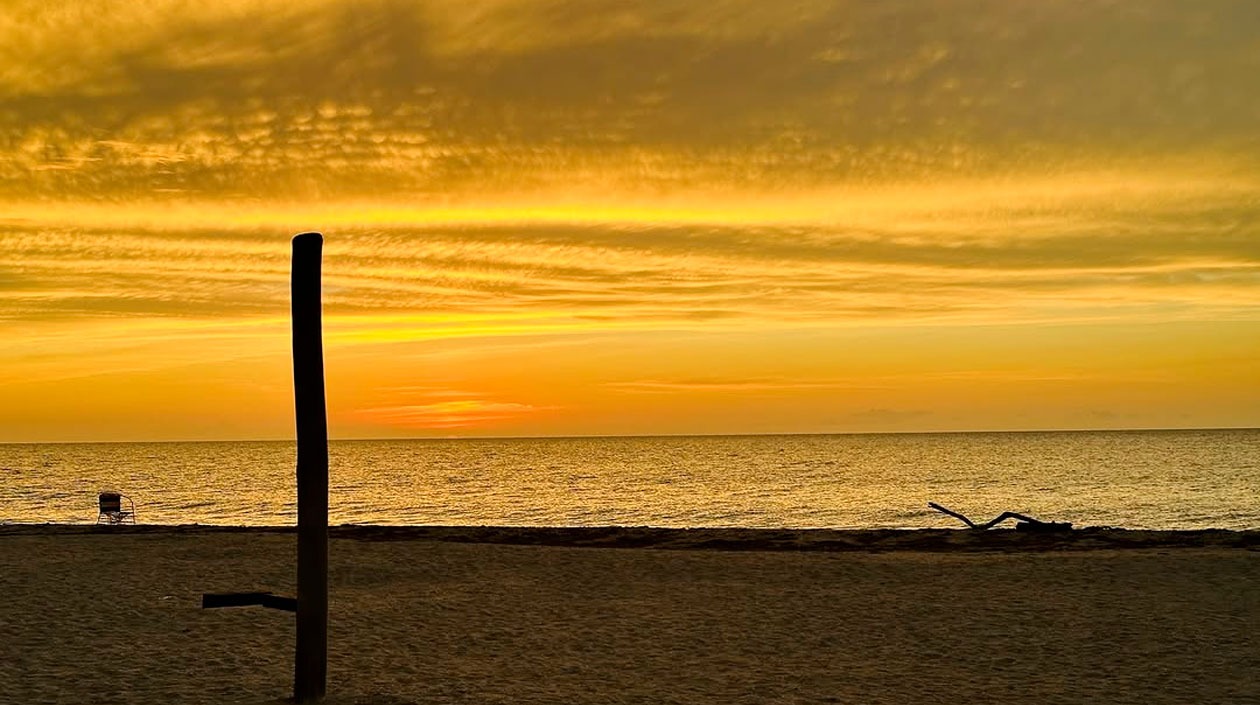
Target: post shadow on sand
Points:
(310, 663)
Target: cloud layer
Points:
(1169, 250)
(438, 100)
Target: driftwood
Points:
(1026, 523)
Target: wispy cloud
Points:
(891, 417)
(450, 414)
(735, 386)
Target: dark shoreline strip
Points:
(833, 540)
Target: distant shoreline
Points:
(717, 539)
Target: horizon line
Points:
(657, 435)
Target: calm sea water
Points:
(1149, 479)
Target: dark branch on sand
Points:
(1026, 523)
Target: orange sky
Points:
(558, 217)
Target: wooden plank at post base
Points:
(213, 600)
(276, 602)
(310, 667)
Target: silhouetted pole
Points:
(310, 666)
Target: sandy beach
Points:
(639, 616)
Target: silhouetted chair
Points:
(112, 512)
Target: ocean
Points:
(1135, 479)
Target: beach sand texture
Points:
(93, 616)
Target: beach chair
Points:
(111, 509)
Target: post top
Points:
(307, 237)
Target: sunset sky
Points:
(571, 217)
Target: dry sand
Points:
(433, 616)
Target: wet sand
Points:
(497, 615)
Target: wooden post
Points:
(310, 666)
